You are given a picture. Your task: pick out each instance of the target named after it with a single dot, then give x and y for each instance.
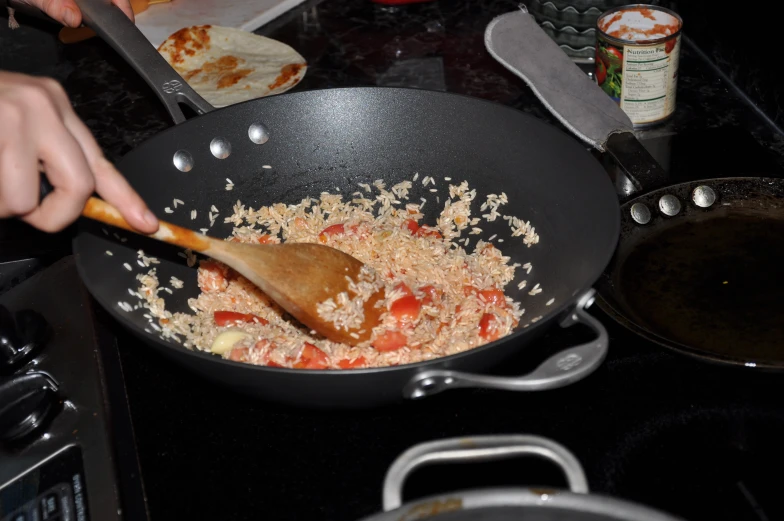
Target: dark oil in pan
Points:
(716, 285)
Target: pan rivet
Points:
(183, 160)
(220, 148)
(640, 213)
(258, 134)
(669, 205)
(703, 196)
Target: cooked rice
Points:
(463, 314)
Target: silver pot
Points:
(503, 504)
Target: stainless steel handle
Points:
(561, 369)
(479, 448)
(124, 37)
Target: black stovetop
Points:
(651, 426)
(697, 440)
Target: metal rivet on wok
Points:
(703, 196)
(220, 148)
(669, 205)
(183, 161)
(640, 213)
(258, 134)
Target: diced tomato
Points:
(331, 230)
(239, 354)
(235, 239)
(265, 239)
(270, 363)
(312, 358)
(457, 309)
(488, 327)
(469, 290)
(427, 231)
(404, 288)
(226, 318)
(493, 296)
(350, 364)
(431, 294)
(412, 226)
(406, 309)
(390, 341)
(212, 276)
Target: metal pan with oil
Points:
(700, 269)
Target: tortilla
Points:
(227, 66)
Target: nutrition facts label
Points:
(650, 75)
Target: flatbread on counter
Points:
(227, 66)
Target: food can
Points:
(637, 53)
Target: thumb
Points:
(64, 11)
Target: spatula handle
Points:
(100, 210)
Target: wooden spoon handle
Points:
(104, 212)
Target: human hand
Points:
(40, 131)
(68, 13)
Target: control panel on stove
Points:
(51, 491)
(58, 457)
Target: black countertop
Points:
(210, 454)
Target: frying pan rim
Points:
(622, 318)
(555, 312)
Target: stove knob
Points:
(27, 402)
(22, 335)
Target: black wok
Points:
(333, 139)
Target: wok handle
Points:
(563, 368)
(479, 448)
(123, 36)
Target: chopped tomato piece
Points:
(488, 327)
(431, 294)
(390, 341)
(226, 318)
(427, 231)
(239, 354)
(469, 290)
(265, 239)
(457, 309)
(412, 226)
(406, 309)
(350, 364)
(331, 230)
(404, 288)
(213, 276)
(312, 358)
(270, 363)
(493, 296)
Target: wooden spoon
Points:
(295, 275)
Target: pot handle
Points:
(561, 369)
(123, 36)
(517, 42)
(479, 448)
